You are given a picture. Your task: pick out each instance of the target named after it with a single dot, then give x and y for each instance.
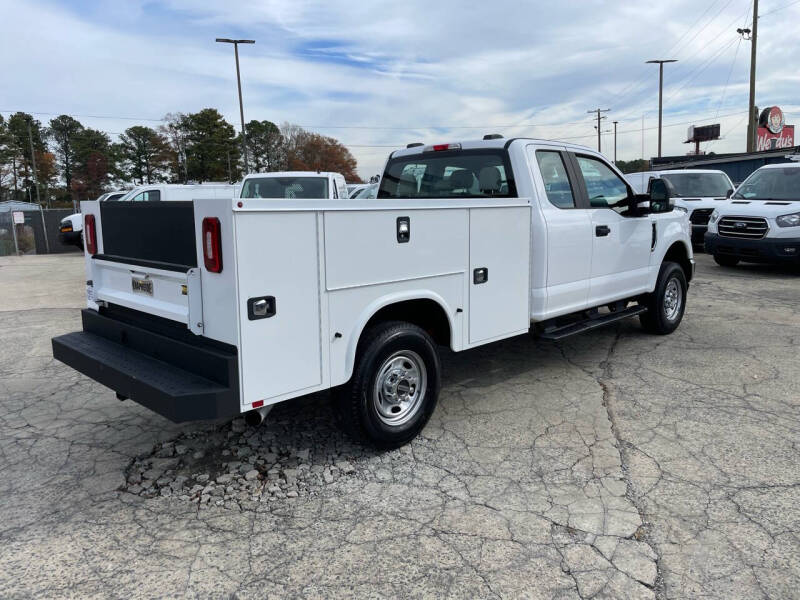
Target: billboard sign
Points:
(773, 132)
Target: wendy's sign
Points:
(773, 132)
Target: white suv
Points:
(761, 221)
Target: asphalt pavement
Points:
(614, 464)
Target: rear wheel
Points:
(394, 387)
(726, 261)
(667, 303)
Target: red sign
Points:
(773, 133)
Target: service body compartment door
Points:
(499, 288)
(277, 258)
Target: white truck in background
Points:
(71, 227)
(308, 185)
(696, 192)
(230, 306)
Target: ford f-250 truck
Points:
(228, 307)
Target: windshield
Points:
(449, 174)
(771, 184)
(703, 185)
(286, 187)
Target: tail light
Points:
(90, 234)
(212, 245)
(441, 147)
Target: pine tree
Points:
(144, 154)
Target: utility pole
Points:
(33, 164)
(239, 83)
(615, 141)
(747, 34)
(660, 64)
(599, 118)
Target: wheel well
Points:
(425, 313)
(678, 253)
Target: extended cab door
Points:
(567, 241)
(621, 239)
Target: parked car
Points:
(367, 192)
(228, 308)
(71, 226)
(696, 192)
(294, 184)
(761, 221)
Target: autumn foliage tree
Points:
(308, 151)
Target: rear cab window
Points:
(309, 188)
(479, 173)
(556, 180)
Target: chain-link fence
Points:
(27, 229)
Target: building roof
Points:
(671, 162)
(15, 205)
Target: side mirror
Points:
(729, 193)
(660, 196)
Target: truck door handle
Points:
(602, 230)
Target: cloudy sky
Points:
(377, 74)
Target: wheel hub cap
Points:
(399, 387)
(673, 297)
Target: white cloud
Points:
(410, 66)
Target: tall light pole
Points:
(239, 83)
(660, 64)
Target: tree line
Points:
(71, 162)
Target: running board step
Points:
(558, 333)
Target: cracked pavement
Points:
(611, 465)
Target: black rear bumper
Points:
(765, 250)
(180, 378)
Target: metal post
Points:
(241, 108)
(44, 229)
(239, 84)
(751, 121)
(33, 164)
(615, 141)
(660, 94)
(14, 231)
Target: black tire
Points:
(726, 261)
(661, 318)
(357, 401)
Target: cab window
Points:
(556, 181)
(603, 186)
(449, 174)
(147, 196)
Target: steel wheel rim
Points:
(673, 298)
(399, 387)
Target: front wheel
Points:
(667, 303)
(394, 387)
(726, 261)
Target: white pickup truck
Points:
(697, 192)
(228, 307)
(761, 221)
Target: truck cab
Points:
(696, 192)
(227, 307)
